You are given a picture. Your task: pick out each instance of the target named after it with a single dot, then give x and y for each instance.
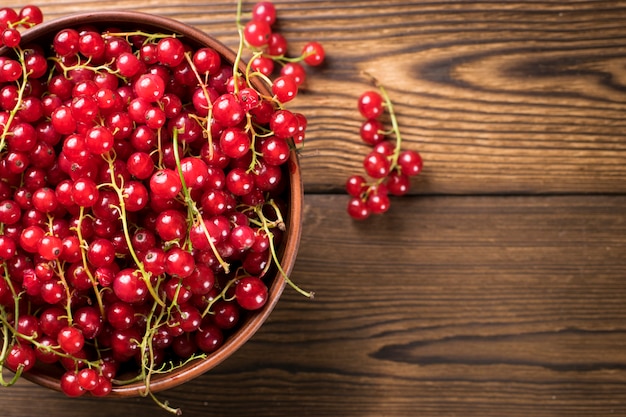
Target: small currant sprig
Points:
(270, 47)
(388, 165)
(11, 21)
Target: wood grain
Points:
(514, 97)
(492, 306)
(497, 289)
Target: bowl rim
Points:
(195, 368)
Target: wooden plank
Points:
(446, 306)
(523, 97)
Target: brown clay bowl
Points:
(127, 20)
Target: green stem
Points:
(125, 228)
(68, 293)
(192, 210)
(8, 333)
(18, 102)
(394, 125)
(240, 47)
(150, 37)
(220, 296)
(83, 253)
(202, 84)
(266, 226)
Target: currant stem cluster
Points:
(388, 166)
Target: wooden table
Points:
(497, 288)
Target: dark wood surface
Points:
(498, 287)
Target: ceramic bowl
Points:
(129, 20)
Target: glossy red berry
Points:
(376, 165)
(70, 340)
(370, 105)
(264, 11)
(378, 201)
(129, 286)
(31, 15)
(234, 142)
(20, 356)
(372, 132)
(313, 53)
(285, 88)
(295, 71)
(150, 87)
(356, 185)
(257, 33)
(251, 293)
(70, 384)
(165, 183)
(170, 51)
(358, 209)
(410, 162)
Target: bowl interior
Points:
(128, 20)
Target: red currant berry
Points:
(263, 64)
(251, 293)
(70, 385)
(88, 379)
(99, 140)
(276, 45)
(128, 64)
(150, 87)
(209, 338)
(171, 225)
(11, 37)
(227, 111)
(372, 132)
(376, 165)
(370, 105)
(130, 287)
(140, 165)
(101, 252)
(265, 11)
(356, 185)
(358, 209)
(410, 162)
(70, 340)
(7, 16)
(257, 33)
(165, 183)
(295, 71)
(378, 201)
(397, 184)
(207, 61)
(10, 212)
(275, 150)
(313, 53)
(234, 142)
(285, 88)
(50, 247)
(85, 192)
(20, 356)
(170, 51)
(284, 124)
(65, 42)
(91, 44)
(31, 15)
(239, 181)
(179, 262)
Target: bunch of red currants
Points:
(387, 164)
(270, 48)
